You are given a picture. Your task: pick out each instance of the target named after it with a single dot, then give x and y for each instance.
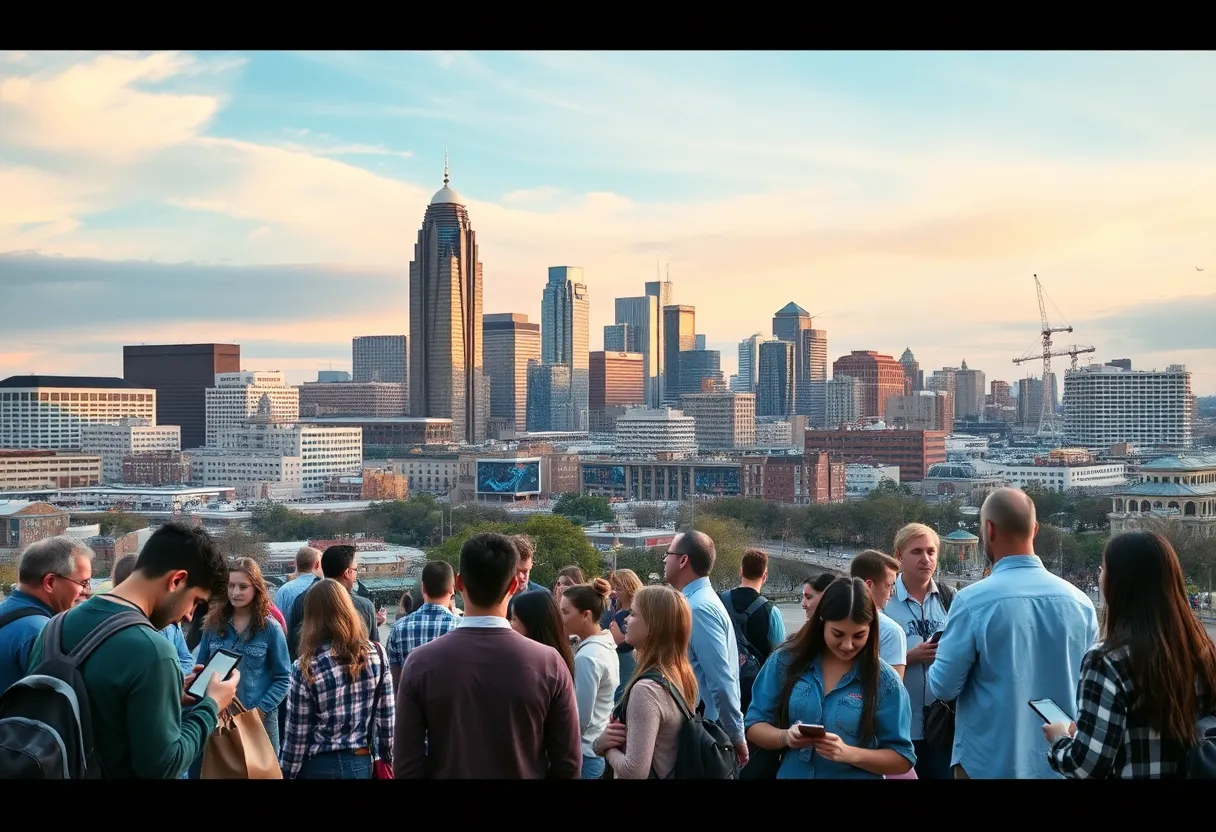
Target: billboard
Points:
(508, 476)
(610, 476)
(721, 482)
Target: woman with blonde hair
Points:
(241, 622)
(625, 584)
(340, 707)
(641, 741)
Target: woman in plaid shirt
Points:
(1144, 686)
(341, 699)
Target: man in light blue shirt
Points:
(1017, 635)
(713, 651)
(919, 608)
(308, 570)
(879, 572)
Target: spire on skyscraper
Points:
(445, 164)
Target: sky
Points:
(906, 199)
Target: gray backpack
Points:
(46, 727)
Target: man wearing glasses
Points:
(713, 650)
(53, 576)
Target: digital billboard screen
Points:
(612, 476)
(508, 476)
(717, 481)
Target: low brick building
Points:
(23, 522)
(799, 479)
(107, 550)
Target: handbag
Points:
(939, 715)
(380, 769)
(239, 748)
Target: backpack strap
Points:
(739, 619)
(53, 640)
(754, 607)
(656, 676)
(18, 614)
(947, 595)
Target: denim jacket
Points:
(265, 667)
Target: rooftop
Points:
(91, 382)
(1169, 489)
(1181, 462)
(792, 309)
(373, 420)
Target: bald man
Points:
(1015, 636)
(713, 650)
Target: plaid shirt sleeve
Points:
(298, 727)
(1091, 754)
(386, 710)
(396, 644)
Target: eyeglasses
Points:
(83, 583)
(675, 554)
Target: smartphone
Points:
(1050, 712)
(223, 663)
(813, 731)
(936, 637)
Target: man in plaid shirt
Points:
(427, 623)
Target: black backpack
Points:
(46, 727)
(749, 657)
(703, 751)
(939, 715)
(1201, 758)
(16, 615)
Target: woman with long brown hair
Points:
(642, 739)
(340, 706)
(534, 615)
(827, 702)
(241, 622)
(1146, 683)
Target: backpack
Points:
(16, 615)
(46, 727)
(939, 715)
(703, 751)
(749, 657)
(1201, 758)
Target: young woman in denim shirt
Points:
(243, 624)
(830, 675)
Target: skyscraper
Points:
(510, 343)
(381, 358)
(616, 338)
(642, 316)
(749, 363)
(445, 320)
(565, 312)
(180, 374)
(882, 375)
(912, 371)
(678, 325)
(665, 292)
(775, 390)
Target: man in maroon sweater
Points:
(484, 702)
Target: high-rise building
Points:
(844, 399)
(383, 358)
(811, 397)
(332, 376)
(510, 343)
(700, 371)
(700, 342)
(915, 379)
(775, 391)
(664, 291)
(129, 437)
(789, 323)
(617, 338)
(679, 323)
(968, 393)
(882, 374)
(642, 316)
(48, 412)
(237, 397)
(353, 398)
(549, 397)
(724, 421)
(1030, 398)
(180, 374)
(1150, 409)
(616, 380)
(923, 410)
(446, 379)
(565, 313)
(749, 363)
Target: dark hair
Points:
(754, 564)
(488, 564)
(437, 577)
(844, 599)
(574, 573)
(406, 602)
(698, 547)
(123, 567)
(336, 560)
(1147, 612)
(177, 546)
(592, 597)
(873, 565)
(820, 582)
(537, 610)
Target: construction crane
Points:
(1047, 411)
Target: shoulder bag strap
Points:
(371, 723)
(947, 595)
(17, 615)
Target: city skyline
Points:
(272, 199)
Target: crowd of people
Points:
(892, 675)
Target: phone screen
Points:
(222, 663)
(1050, 711)
(936, 637)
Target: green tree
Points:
(117, 523)
(584, 510)
(650, 517)
(236, 542)
(730, 539)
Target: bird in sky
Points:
(1198, 269)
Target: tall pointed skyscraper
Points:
(446, 379)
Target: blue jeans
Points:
(593, 767)
(336, 765)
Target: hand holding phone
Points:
(223, 663)
(814, 732)
(1050, 712)
(936, 637)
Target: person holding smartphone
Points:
(828, 702)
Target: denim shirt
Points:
(713, 653)
(839, 712)
(1017, 635)
(265, 667)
